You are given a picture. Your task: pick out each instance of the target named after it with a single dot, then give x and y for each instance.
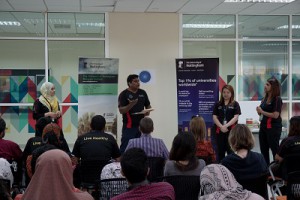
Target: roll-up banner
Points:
(197, 90)
(98, 89)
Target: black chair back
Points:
(186, 187)
(90, 170)
(112, 187)
(293, 186)
(156, 165)
(258, 185)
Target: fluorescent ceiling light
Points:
(286, 27)
(10, 23)
(207, 25)
(259, 1)
(90, 24)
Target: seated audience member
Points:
(111, 170)
(36, 141)
(8, 149)
(5, 171)
(135, 169)
(289, 145)
(53, 179)
(244, 163)
(97, 145)
(52, 138)
(217, 182)
(204, 147)
(183, 160)
(153, 147)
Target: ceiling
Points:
(149, 6)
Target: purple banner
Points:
(197, 89)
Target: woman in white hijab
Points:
(218, 183)
(47, 104)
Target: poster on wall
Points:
(98, 91)
(197, 89)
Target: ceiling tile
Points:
(28, 5)
(132, 5)
(166, 5)
(5, 6)
(197, 7)
(261, 8)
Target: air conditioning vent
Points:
(62, 26)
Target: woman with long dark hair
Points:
(183, 160)
(271, 123)
(225, 115)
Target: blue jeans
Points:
(127, 134)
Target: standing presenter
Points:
(131, 103)
(47, 104)
(270, 119)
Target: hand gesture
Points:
(258, 110)
(133, 102)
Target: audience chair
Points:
(258, 185)
(156, 165)
(112, 187)
(90, 171)
(185, 186)
(293, 186)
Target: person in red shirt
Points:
(8, 149)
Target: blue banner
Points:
(197, 90)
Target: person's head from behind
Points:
(134, 165)
(38, 152)
(227, 94)
(183, 147)
(133, 81)
(55, 163)
(240, 137)
(5, 171)
(272, 87)
(294, 126)
(198, 128)
(146, 125)
(217, 178)
(48, 89)
(98, 123)
(52, 135)
(41, 124)
(2, 128)
(4, 192)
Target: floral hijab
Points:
(218, 183)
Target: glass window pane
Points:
(76, 25)
(22, 24)
(22, 68)
(208, 26)
(296, 26)
(63, 65)
(296, 71)
(258, 62)
(285, 119)
(263, 26)
(296, 109)
(225, 51)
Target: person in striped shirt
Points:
(154, 147)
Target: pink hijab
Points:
(53, 179)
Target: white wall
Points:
(149, 41)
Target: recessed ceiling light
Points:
(259, 1)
